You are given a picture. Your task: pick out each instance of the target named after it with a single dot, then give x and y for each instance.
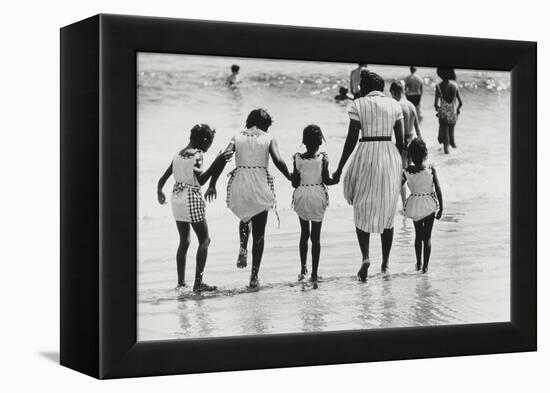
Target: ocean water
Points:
(469, 273)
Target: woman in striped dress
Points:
(373, 180)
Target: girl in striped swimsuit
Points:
(310, 199)
(188, 205)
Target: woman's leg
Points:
(444, 134)
(387, 240)
(201, 230)
(363, 238)
(315, 247)
(428, 225)
(259, 222)
(244, 235)
(418, 239)
(181, 255)
(452, 135)
(304, 240)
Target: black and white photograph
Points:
(278, 196)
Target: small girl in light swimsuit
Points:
(446, 95)
(423, 202)
(310, 199)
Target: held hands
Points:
(439, 214)
(161, 197)
(295, 179)
(210, 194)
(336, 175)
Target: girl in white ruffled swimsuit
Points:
(425, 201)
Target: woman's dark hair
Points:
(202, 135)
(417, 151)
(235, 68)
(259, 118)
(313, 136)
(371, 81)
(446, 73)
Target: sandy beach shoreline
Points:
(284, 305)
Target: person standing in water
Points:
(413, 90)
(188, 206)
(251, 188)
(372, 183)
(310, 179)
(447, 94)
(410, 125)
(355, 80)
(425, 202)
(233, 80)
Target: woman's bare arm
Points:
(325, 173)
(459, 101)
(349, 146)
(438, 194)
(160, 185)
(398, 131)
(277, 159)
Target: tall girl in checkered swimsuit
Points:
(250, 190)
(310, 199)
(425, 201)
(188, 205)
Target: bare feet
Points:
(254, 282)
(203, 287)
(364, 271)
(418, 267)
(241, 259)
(315, 281)
(302, 274)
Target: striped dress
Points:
(372, 182)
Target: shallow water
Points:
(468, 280)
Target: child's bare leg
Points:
(418, 238)
(181, 256)
(387, 240)
(244, 235)
(304, 240)
(428, 225)
(259, 222)
(201, 230)
(315, 247)
(364, 240)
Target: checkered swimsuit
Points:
(196, 205)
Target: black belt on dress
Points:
(375, 139)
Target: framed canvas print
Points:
(240, 196)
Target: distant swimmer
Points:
(413, 89)
(355, 79)
(233, 79)
(342, 94)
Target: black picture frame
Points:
(99, 220)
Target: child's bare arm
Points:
(295, 175)
(438, 194)
(277, 159)
(436, 99)
(162, 181)
(214, 179)
(216, 167)
(403, 178)
(325, 173)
